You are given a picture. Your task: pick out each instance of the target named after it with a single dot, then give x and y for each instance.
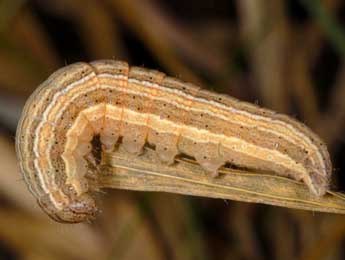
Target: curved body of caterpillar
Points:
(137, 106)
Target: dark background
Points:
(284, 55)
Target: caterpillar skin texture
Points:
(135, 106)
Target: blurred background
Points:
(284, 55)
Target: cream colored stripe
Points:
(242, 146)
(44, 119)
(227, 119)
(233, 110)
(174, 91)
(130, 91)
(139, 118)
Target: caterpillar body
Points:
(135, 106)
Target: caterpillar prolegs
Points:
(134, 106)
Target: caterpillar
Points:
(132, 107)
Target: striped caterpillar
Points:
(135, 106)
